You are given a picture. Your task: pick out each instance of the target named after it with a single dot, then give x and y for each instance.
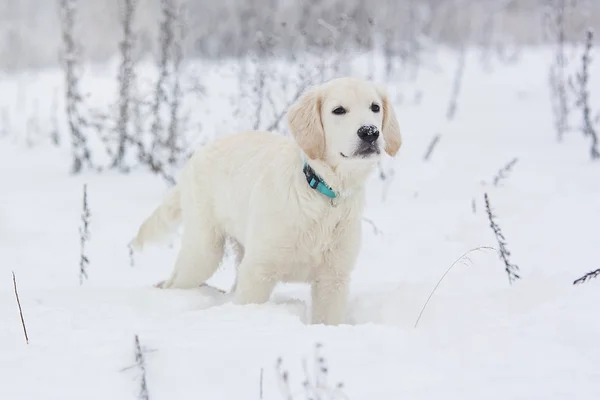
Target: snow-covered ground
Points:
(478, 338)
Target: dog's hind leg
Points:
(202, 246)
(198, 259)
(238, 251)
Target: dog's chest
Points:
(317, 244)
(325, 231)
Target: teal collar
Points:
(315, 182)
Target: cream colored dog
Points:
(292, 208)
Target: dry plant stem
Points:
(376, 229)
(503, 173)
(261, 383)
(174, 129)
(461, 258)
(141, 363)
(510, 268)
(73, 98)
(458, 76)
(131, 255)
(126, 80)
(84, 236)
(582, 91)
(20, 310)
(557, 11)
(587, 277)
(431, 147)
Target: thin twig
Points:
(20, 310)
(284, 380)
(503, 173)
(587, 277)
(84, 236)
(461, 258)
(131, 255)
(141, 363)
(458, 75)
(376, 230)
(262, 370)
(431, 147)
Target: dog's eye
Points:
(375, 108)
(339, 111)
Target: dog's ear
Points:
(391, 128)
(304, 119)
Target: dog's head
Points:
(345, 120)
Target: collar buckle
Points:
(316, 183)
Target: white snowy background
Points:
(479, 337)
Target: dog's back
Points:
(222, 176)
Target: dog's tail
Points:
(162, 222)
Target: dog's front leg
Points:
(329, 298)
(255, 281)
(331, 285)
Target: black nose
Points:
(368, 133)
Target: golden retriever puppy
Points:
(292, 206)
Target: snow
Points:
(479, 336)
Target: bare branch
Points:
(587, 277)
(20, 310)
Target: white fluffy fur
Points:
(249, 188)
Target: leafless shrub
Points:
(315, 387)
(267, 83)
(126, 80)
(510, 268)
(84, 237)
(174, 142)
(262, 67)
(582, 93)
(73, 99)
(166, 39)
(489, 36)
(556, 14)
(166, 144)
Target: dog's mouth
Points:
(364, 151)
